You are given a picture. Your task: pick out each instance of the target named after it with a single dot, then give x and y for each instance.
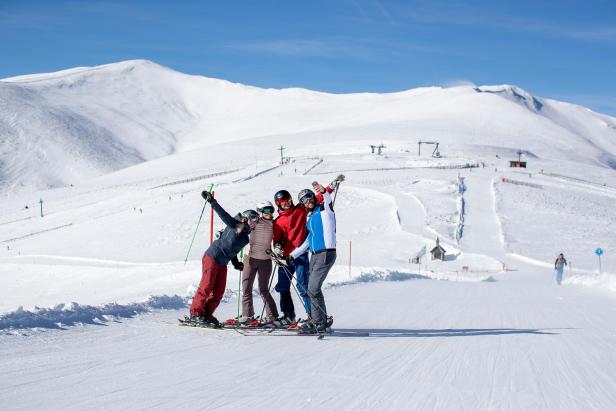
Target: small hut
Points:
(438, 252)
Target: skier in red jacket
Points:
(289, 233)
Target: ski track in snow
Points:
(443, 354)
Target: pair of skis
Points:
(258, 330)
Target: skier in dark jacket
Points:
(214, 263)
(559, 267)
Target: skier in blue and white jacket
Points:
(321, 241)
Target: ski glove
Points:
(277, 250)
(207, 196)
(286, 260)
(336, 182)
(237, 264)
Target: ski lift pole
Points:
(209, 189)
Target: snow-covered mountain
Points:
(66, 127)
(94, 276)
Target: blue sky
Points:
(559, 49)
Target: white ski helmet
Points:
(265, 207)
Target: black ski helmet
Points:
(305, 195)
(281, 196)
(251, 215)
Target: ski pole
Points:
(299, 295)
(269, 289)
(290, 277)
(336, 193)
(239, 288)
(209, 189)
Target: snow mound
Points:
(514, 94)
(604, 281)
(63, 315)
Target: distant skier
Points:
(257, 263)
(559, 266)
(321, 241)
(214, 263)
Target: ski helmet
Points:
(250, 215)
(281, 196)
(265, 207)
(306, 195)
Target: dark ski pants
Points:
(263, 270)
(211, 289)
(320, 264)
(300, 269)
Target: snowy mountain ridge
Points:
(69, 126)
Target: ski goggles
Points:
(307, 198)
(250, 215)
(267, 210)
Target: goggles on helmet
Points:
(267, 210)
(307, 198)
(251, 215)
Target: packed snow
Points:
(116, 156)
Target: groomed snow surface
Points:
(90, 293)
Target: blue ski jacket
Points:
(321, 226)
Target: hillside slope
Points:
(67, 127)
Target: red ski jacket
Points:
(290, 226)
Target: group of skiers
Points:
(301, 241)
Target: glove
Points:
(277, 250)
(207, 196)
(284, 261)
(336, 182)
(237, 264)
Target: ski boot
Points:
(242, 321)
(213, 321)
(272, 322)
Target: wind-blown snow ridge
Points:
(63, 315)
(66, 315)
(376, 275)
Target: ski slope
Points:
(90, 293)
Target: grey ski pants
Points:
(320, 264)
(263, 268)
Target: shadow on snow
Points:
(447, 332)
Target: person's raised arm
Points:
(224, 216)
